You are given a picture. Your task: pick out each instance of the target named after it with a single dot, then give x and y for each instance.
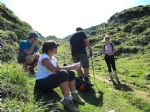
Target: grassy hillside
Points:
(12, 29)
(131, 36)
(130, 30)
(133, 96)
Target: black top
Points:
(77, 42)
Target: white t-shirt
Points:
(42, 71)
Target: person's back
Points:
(77, 43)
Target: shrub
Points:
(127, 28)
(8, 52)
(93, 40)
(138, 29)
(116, 42)
(142, 41)
(132, 49)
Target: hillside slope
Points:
(130, 30)
(17, 92)
(12, 29)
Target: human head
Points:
(49, 46)
(33, 36)
(107, 38)
(79, 29)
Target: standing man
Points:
(27, 53)
(78, 44)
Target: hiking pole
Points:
(93, 71)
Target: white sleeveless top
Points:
(42, 71)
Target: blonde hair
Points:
(107, 36)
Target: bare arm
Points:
(49, 65)
(87, 44)
(114, 49)
(69, 67)
(29, 51)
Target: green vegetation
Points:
(12, 29)
(18, 88)
(130, 29)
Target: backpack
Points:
(82, 85)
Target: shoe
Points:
(69, 105)
(78, 99)
(110, 79)
(31, 71)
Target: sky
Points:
(61, 17)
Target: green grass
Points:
(18, 88)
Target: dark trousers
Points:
(54, 80)
(110, 61)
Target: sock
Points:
(68, 97)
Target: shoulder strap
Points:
(104, 47)
(112, 46)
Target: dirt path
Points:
(141, 94)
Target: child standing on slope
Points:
(109, 51)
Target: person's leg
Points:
(31, 62)
(107, 60)
(85, 65)
(29, 59)
(65, 88)
(114, 68)
(76, 59)
(73, 89)
(60, 79)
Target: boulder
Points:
(147, 76)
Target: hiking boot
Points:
(31, 70)
(69, 105)
(78, 99)
(110, 78)
(88, 81)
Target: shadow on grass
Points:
(92, 97)
(48, 98)
(122, 87)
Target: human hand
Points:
(75, 66)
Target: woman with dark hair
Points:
(49, 75)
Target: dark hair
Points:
(79, 29)
(49, 45)
(33, 35)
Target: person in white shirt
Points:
(49, 75)
(109, 51)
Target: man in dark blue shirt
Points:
(78, 44)
(27, 50)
